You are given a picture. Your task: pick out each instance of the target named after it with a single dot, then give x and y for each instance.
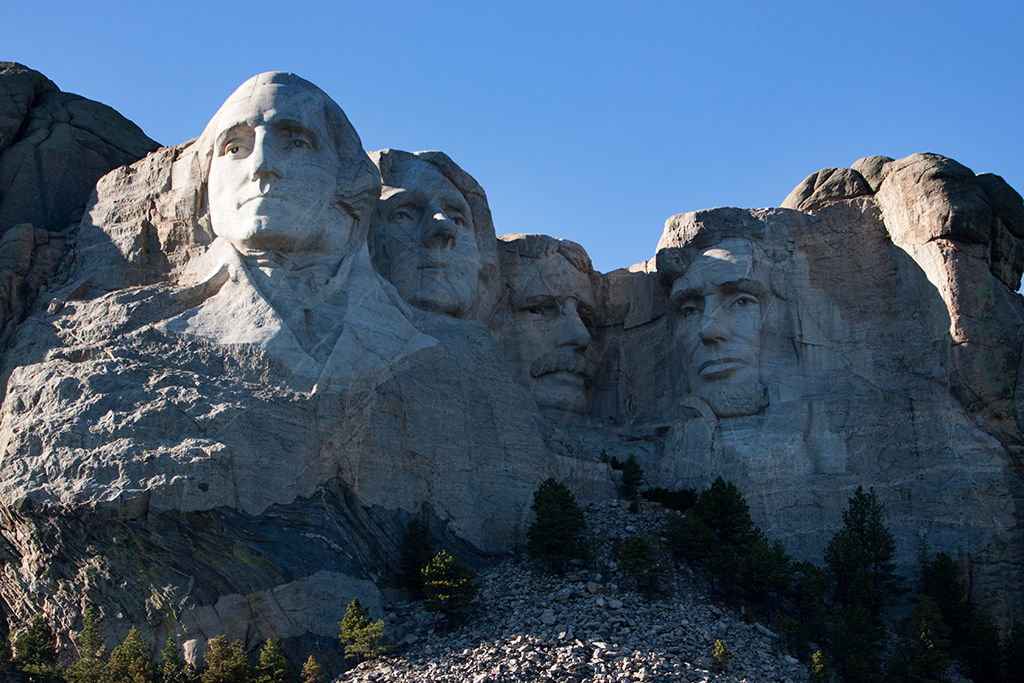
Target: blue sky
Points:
(592, 120)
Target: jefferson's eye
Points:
(401, 215)
(458, 219)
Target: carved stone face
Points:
(428, 248)
(718, 306)
(547, 335)
(273, 181)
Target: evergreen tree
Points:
(362, 636)
(864, 545)
(632, 477)
(818, 668)
(558, 532)
(129, 662)
(35, 651)
(272, 666)
(855, 631)
(450, 586)
(767, 571)
(174, 668)
(226, 662)
(89, 667)
(417, 550)
(641, 559)
(924, 655)
(982, 657)
(724, 511)
(311, 672)
(1014, 647)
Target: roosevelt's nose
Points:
(264, 159)
(713, 328)
(571, 331)
(439, 231)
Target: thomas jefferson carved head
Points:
(546, 318)
(285, 171)
(432, 236)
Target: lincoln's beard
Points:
(735, 397)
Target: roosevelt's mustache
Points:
(562, 361)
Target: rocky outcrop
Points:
(221, 417)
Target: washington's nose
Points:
(572, 332)
(438, 231)
(263, 160)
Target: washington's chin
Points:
(562, 391)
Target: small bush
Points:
(680, 500)
(311, 671)
(558, 533)
(632, 477)
(361, 636)
(226, 662)
(450, 586)
(720, 654)
(640, 557)
(272, 666)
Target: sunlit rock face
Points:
(432, 236)
(253, 366)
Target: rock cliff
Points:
(265, 352)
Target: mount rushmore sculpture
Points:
(264, 351)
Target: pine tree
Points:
(557, 534)
(863, 546)
(35, 651)
(91, 661)
(939, 579)
(311, 672)
(982, 656)
(924, 655)
(129, 662)
(818, 668)
(362, 636)
(641, 559)
(855, 631)
(450, 586)
(417, 550)
(174, 668)
(272, 666)
(632, 477)
(720, 654)
(1014, 647)
(226, 662)
(767, 571)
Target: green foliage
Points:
(558, 533)
(450, 586)
(982, 657)
(362, 636)
(720, 654)
(91, 663)
(818, 668)
(641, 558)
(6, 653)
(311, 672)
(855, 631)
(226, 662)
(272, 666)
(1014, 647)
(174, 668)
(35, 651)
(864, 545)
(923, 657)
(680, 500)
(939, 579)
(632, 477)
(129, 662)
(417, 550)
(767, 570)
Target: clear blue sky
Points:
(594, 121)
